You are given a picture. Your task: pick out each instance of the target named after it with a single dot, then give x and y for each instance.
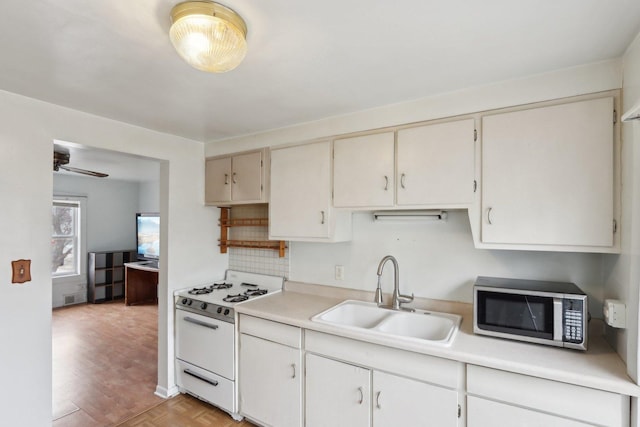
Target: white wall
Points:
(111, 209)
(149, 196)
(623, 272)
(27, 131)
(437, 259)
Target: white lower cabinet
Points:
(503, 398)
(399, 401)
(337, 393)
(270, 373)
(342, 394)
(352, 383)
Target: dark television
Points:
(148, 236)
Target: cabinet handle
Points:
(226, 179)
(322, 217)
(361, 396)
(233, 178)
(378, 400)
(386, 183)
(402, 180)
(293, 366)
(489, 216)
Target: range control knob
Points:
(219, 310)
(226, 312)
(189, 302)
(203, 306)
(184, 300)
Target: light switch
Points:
(21, 271)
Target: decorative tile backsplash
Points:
(262, 261)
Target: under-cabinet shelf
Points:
(226, 222)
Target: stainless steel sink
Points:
(418, 326)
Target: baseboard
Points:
(166, 393)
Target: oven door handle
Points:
(200, 322)
(201, 378)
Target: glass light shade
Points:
(208, 36)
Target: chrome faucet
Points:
(398, 298)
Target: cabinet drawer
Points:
(272, 331)
(207, 385)
(567, 400)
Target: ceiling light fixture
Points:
(209, 36)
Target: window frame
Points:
(78, 277)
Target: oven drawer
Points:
(210, 387)
(206, 342)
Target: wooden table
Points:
(140, 283)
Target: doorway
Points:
(105, 356)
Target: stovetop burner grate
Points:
(235, 298)
(255, 292)
(208, 289)
(223, 285)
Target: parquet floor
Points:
(105, 372)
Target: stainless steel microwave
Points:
(551, 313)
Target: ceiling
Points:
(305, 61)
(119, 166)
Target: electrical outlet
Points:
(339, 272)
(615, 313)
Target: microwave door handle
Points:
(557, 319)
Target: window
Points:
(67, 249)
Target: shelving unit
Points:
(226, 222)
(105, 274)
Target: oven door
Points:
(205, 342)
(526, 317)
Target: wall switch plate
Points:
(615, 313)
(339, 272)
(21, 271)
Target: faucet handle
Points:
(405, 298)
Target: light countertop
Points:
(600, 367)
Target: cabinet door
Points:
(400, 401)
(547, 175)
(363, 171)
(300, 191)
(436, 164)
(246, 177)
(483, 412)
(217, 184)
(337, 394)
(270, 382)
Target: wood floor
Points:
(105, 371)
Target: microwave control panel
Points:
(573, 321)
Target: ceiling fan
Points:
(61, 158)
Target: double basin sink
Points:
(419, 326)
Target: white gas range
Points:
(206, 335)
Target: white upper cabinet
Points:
(436, 165)
(236, 179)
(363, 171)
(300, 205)
(432, 167)
(548, 176)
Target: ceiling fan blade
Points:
(84, 171)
